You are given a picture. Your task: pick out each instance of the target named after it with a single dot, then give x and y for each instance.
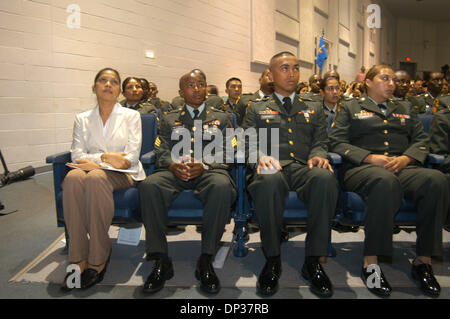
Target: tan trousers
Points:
(88, 209)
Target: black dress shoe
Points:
(162, 271)
(423, 273)
(91, 277)
(320, 284)
(209, 282)
(268, 279)
(380, 287)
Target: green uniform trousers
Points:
(216, 191)
(317, 187)
(383, 192)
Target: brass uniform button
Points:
(292, 154)
(386, 143)
(289, 119)
(385, 121)
(290, 131)
(386, 153)
(291, 143)
(385, 131)
(267, 121)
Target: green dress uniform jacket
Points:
(238, 109)
(440, 137)
(315, 97)
(421, 103)
(214, 101)
(142, 107)
(164, 106)
(360, 128)
(177, 102)
(303, 132)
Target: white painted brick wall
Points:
(47, 69)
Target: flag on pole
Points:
(322, 54)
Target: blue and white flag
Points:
(322, 54)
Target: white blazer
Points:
(122, 133)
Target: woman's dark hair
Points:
(107, 69)
(128, 79)
(323, 82)
(373, 72)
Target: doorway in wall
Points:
(410, 68)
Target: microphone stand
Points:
(5, 168)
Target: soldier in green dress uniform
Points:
(133, 93)
(431, 100)
(301, 166)
(384, 146)
(175, 172)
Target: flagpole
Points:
(315, 60)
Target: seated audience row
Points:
(380, 138)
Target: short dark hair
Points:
(107, 69)
(232, 79)
(199, 71)
(213, 89)
(300, 86)
(278, 55)
(185, 76)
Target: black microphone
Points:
(18, 175)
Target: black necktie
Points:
(196, 114)
(383, 108)
(287, 104)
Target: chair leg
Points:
(331, 250)
(240, 250)
(66, 248)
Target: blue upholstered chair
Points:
(126, 201)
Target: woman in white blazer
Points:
(108, 136)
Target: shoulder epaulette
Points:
(216, 110)
(175, 111)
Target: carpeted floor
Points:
(129, 268)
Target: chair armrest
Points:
(59, 158)
(148, 158)
(435, 159)
(334, 158)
